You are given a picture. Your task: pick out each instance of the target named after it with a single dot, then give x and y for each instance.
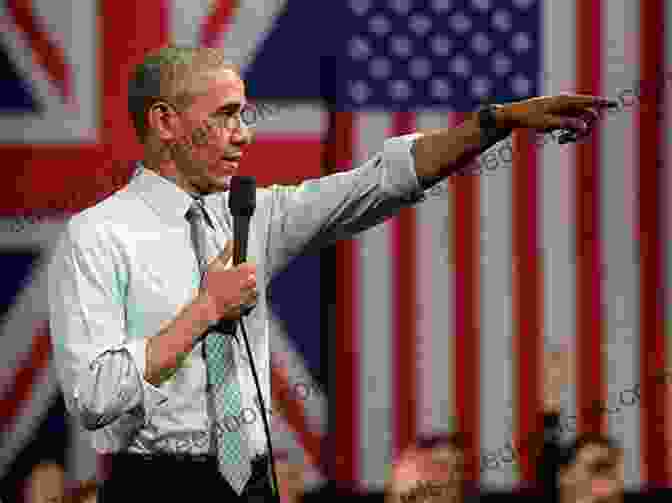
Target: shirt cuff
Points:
(401, 179)
(152, 397)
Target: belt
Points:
(259, 459)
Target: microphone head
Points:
(243, 196)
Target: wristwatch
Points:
(487, 121)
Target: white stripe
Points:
(186, 19)
(290, 119)
(375, 329)
(556, 186)
(252, 23)
(618, 191)
(435, 303)
(496, 316)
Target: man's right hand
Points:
(226, 289)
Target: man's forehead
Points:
(594, 452)
(224, 86)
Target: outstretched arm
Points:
(440, 153)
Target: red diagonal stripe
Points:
(217, 22)
(20, 390)
(295, 416)
(48, 55)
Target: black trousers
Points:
(165, 478)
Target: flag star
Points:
(521, 42)
(441, 45)
(440, 89)
(401, 46)
(460, 23)
(481, 4)
(359, 48)
(461, 65)
(480, 86)
(501, 64)
(440, 6)
(359, 91)
(380, 68)
(501, 20)
(481, 43)
(420, 68)
(401, 7)
(523, 4)
(360, 7)
(420, 25)
(400, 89)
(521, 85)
(379, 25)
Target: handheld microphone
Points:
(242, 203)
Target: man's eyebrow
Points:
(236, 105)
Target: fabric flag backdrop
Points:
(444, 311)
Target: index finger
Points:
(596, 101)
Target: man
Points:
(291, 484)
(137, 280)
(591, 471)
(588, 470)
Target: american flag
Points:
(443, 312)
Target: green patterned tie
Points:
(232, 442)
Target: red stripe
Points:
(48, 54)
(217, 22)
(465, 212)
(21, 388)
(403, 247)
(345, 402)
(652, 265)
(590, 386)
(293, 411)
(127, 36)
(527, 294)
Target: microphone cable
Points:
(261, 403)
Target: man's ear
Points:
(161, 118)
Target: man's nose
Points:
(242, 135)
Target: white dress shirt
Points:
(123, 269)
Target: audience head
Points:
(290, 478)
(591, 469)
(431, 470)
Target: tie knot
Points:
(196, 210)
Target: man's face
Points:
(596, 475)
(210, 135)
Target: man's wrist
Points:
(503, 117)
(207, 310)
(492, 125)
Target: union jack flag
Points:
(444, 311)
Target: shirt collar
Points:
(164, 196)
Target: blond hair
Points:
(173, 74)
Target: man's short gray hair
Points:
(171, 74)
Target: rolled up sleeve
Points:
(320, 211)
(100, 371)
